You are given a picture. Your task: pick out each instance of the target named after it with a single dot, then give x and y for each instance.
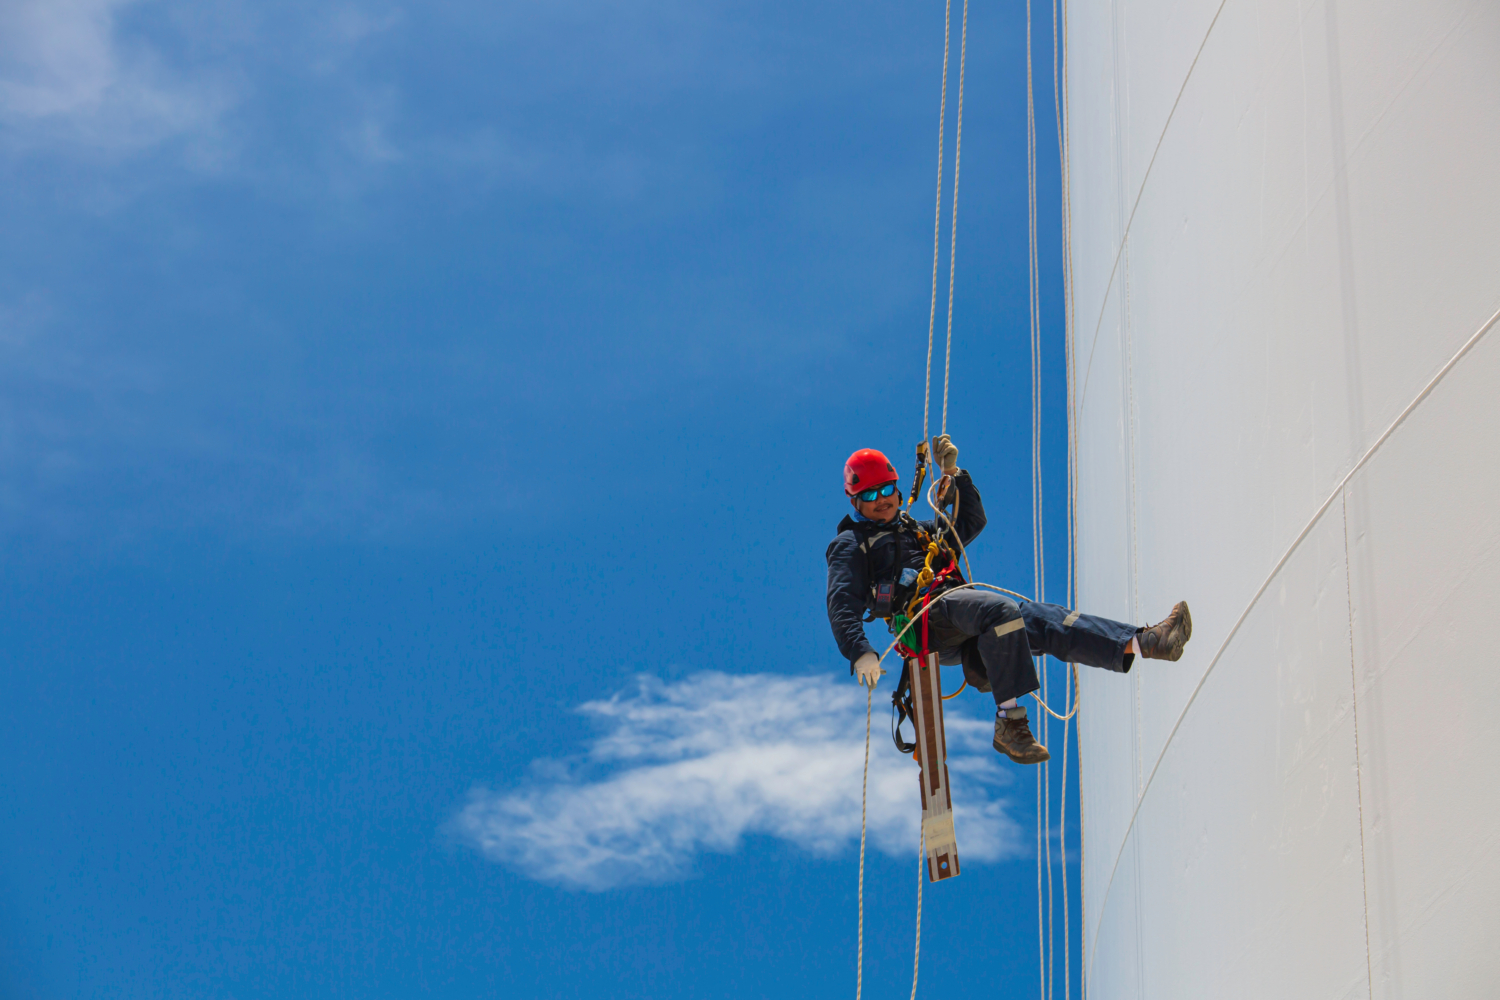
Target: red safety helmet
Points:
(865, 469)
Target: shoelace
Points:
(1020, 730)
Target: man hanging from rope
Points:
(873, 567)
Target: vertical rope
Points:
(1041, 940)
(1069, 324)
(937, 228)
(1069, 337)
(1083, 867)
(958, 148)
(937, 225)
(864, 801)
(1062, 837)
(1059, 84)
(1359, 778)
(916, 961)
(1046, 929)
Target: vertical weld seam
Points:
(1359, 780)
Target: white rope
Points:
(1041, 940)
(916, 961)
(963, 48)
(1046, 941)
(958, 138)
(937, 228)
(1034, 286)
(864, 794)
(958, 148)
(1060, 112)
(1359, 778)
(1068, 713)
(1062, 839)
(937, 221)
(937, 224)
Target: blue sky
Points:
(420, 428)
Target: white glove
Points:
(867, 669)
(945, 454)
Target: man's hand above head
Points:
(867, 669)
(945, 453)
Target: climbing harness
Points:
(928, 580)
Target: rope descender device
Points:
(919, 475)
(944, 481)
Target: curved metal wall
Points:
(1286, 225)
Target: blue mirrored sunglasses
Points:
(880, 491)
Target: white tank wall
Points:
(1306, 809)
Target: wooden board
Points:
(931, 756)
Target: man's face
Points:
(879, 509)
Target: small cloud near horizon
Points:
(695, 766)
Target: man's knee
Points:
(1000, 615)
(975, 614)
(1000, 621)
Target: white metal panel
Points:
(1424, 550)
(1112, 779)
(1095, 190)
(1246, 852)
(1318, 234)
(1154, 45)
(1115, 950)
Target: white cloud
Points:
(699, 764)
(66, 73)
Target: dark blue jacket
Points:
(869, 552)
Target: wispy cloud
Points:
(123, 76)
(693, 766)
(66, 73)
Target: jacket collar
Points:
(857, 521)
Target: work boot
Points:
(1164, 641)
(1013, 737)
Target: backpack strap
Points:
(884, 591)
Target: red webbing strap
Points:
(908, 650)
(926, 603)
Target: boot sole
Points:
(1176, 639)
(1046, 755)
(1184, 630)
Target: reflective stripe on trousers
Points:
(984, 631)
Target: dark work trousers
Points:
(995, 639)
